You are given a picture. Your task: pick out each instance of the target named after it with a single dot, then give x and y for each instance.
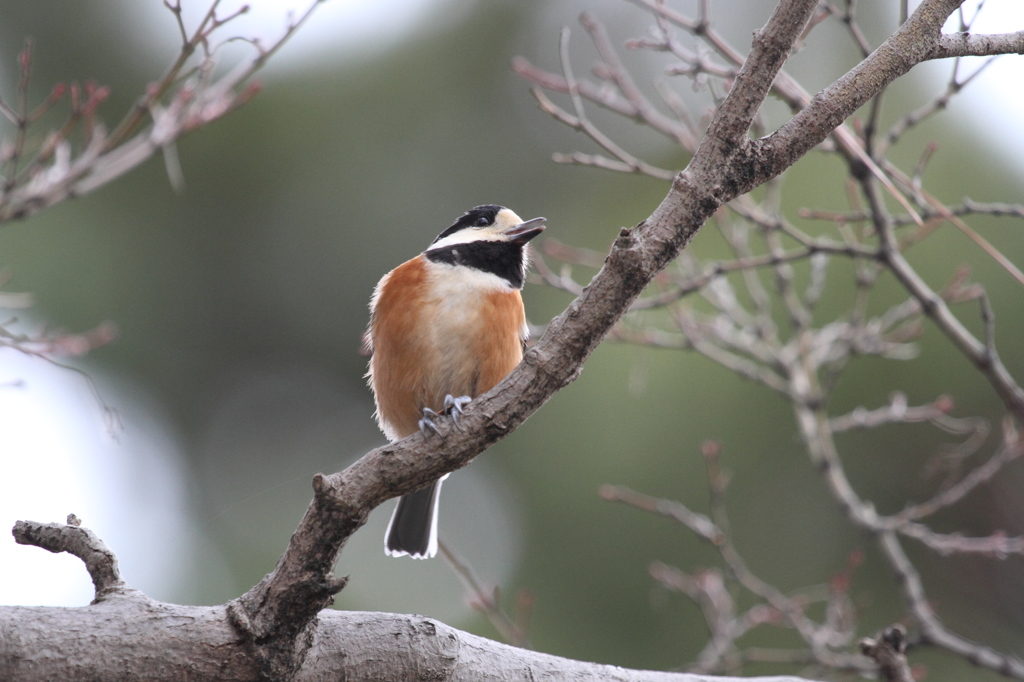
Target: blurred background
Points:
(240, 303)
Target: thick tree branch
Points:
(350, 645)
(127, 631)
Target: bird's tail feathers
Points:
(412, 530)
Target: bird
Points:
(445, 327)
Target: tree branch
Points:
(914, 42)
(80, 542)
(128, 631)
(932, 629)
(978, 45)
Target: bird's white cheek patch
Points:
(467, 236)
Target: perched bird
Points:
(445, 327)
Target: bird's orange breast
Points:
(435, 333)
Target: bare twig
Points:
(80, 542)
(488, 602)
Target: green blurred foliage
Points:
(242, 301)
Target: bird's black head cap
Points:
(478, 216)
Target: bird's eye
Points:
(482, 221)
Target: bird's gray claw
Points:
(453, 407)
(427, 423)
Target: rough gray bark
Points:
(278, 630)
(124, 634)
(129, 636)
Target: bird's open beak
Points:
(525, 231)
